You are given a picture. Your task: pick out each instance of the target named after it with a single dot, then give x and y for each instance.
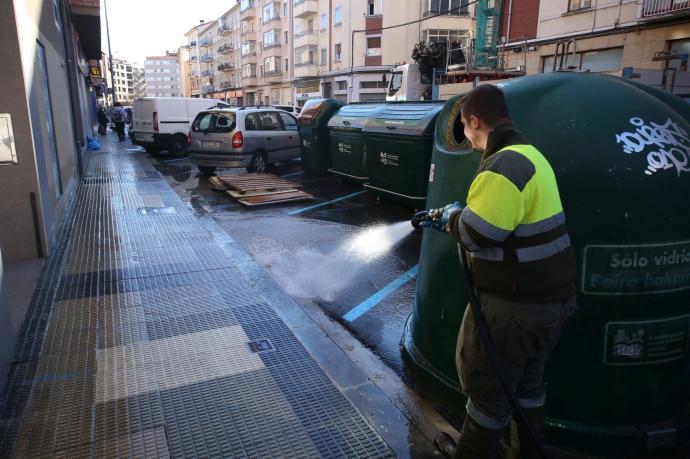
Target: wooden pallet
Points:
(253, 182)
(217, 184)
(260, 189)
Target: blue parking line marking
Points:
(294, 173)
(316, 206)
(379, 296)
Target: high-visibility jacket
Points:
(513, 225)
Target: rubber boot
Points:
(521, 443)
(445, 444)
(477, 442)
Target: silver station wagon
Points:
(243, 137)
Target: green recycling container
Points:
(399, 141)
(619, 379)
(313, 130)
(348, 150)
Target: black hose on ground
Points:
(491, 352)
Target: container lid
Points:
(405, 118)
(317, 112)
(354, 116)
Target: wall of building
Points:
(37, 24)
(520, 20)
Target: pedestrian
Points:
(102, 116)
(523, 267)
(119, 117)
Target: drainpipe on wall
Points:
(510, 19)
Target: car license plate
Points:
(210, 144)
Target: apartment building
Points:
(288, 51)
(266, 51)
(356, 44)
(163, 76)
(126, 77)
(610, 35)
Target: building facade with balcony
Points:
(329, 62)
(227, 68)
(126, 76)
(163, 76)
(609, 35)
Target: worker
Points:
(523, 267)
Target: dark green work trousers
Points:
(523, 335)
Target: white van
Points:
(162, 123)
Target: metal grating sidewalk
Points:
(143, 339)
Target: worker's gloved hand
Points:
(438, 218)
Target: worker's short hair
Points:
(487, 103)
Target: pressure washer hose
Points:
(476, 307)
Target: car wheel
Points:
(207, 170)
(258, 163)
(178, 146)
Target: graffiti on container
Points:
(670, 142)
(389, 160)
(306, 144)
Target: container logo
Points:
(646, 342)
(344, 147)
(389, 160)
(306, 144)
(667, 145)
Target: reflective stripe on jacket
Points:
(513, 225)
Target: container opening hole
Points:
(459, 132)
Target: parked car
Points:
(162, 123)
(289, 108)
(243, 137)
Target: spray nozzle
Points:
(430, 215)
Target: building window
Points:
(285, 10)
(249, 70)
(451, 7)
(270, 13)
(606, 60)
(341, 85)
(457, 41)
(373, 7)
(285, 34)
(338, 53)
(271, 39)
(678, 47)
(286, 64)
(324, 56)
(338, 16)
(574, 5)
(373, 46)
(323, 23)
(371, 85)
(272, 65)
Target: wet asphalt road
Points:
(310, 255)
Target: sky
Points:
(140, 28)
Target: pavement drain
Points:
(262, 345)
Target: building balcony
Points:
(249, 80)
(224, 29)
(248, 35)
(206, 58)
(247, 10)
(207, 73)
(193, 58)
(275, 17)
(306, 69)
(226, 67)
(273, 76)
(306, 38)
(192, 44)
(226, 48)
(228, 85)
(206, 41)
(276, 51)
(664, 7)
(305, 8)
(208, 88)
